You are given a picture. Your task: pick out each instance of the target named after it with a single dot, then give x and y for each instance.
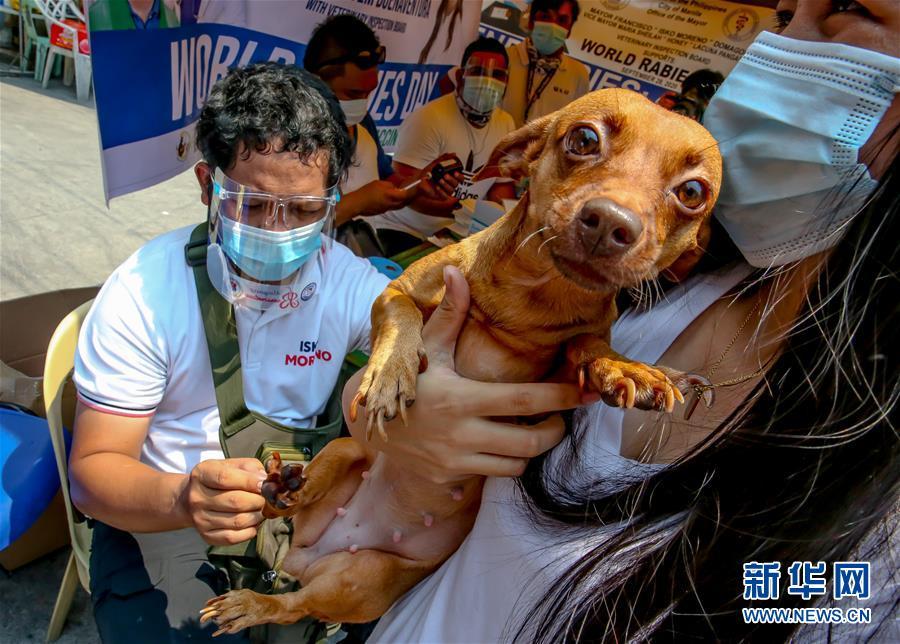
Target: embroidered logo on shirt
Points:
(289, 300)
(308, 291)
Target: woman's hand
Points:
(450, 433)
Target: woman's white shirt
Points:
(483, 592)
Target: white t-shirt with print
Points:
(364, 167)
(434, 129)
(483, 592)
(570, 81)
(142, 349)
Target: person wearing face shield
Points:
(542, 76)
(465, 125)
(210, 348)
(345, 53)
(640, 528)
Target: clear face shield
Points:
(260, 241)
(484, 81)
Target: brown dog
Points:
(618, 191)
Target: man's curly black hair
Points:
(270, 107)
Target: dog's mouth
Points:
(600, 273)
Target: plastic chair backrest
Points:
(28, 10)
(55, 11)
(58, 366)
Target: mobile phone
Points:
(445, 167)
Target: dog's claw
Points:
(381, 430)
(370, 426)
(626, 392)
(402, 407)
(689, 381)
(358, 400)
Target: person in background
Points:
(542, 77)
(466, 124)
(696, 92)
(345, 53)
(133, 14)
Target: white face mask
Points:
(354, 111)
(790, 119)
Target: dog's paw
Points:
(282, 486)
(623, 383)
(389, 385)
(235, 610)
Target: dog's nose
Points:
(607, 228)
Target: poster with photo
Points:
(649, 46)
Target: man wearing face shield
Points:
(466, 124)
(542, 77)
(211, 347)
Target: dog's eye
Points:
(583, 141)
(691, 194)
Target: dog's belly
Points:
(480, 355)
(390, 511)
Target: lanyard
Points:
(531, 99)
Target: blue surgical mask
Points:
(548, 37)
(269, 255)
(482, 93)
(790, 119)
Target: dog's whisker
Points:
(527, 239)
(546, 241)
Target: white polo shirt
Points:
(142, 349)
(570, 81)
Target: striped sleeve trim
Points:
(115, 410)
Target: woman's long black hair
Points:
(803, 472)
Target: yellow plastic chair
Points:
(57, 369)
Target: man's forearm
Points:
(127, 494)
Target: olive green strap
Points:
(221, 339)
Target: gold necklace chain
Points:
(700, 389)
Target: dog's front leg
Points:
(398, 356)
(620, 381)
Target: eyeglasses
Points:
(362, 59)
(264, 210)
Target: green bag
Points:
(256, 564)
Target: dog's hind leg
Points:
(340, 587)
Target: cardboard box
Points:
(26, 326)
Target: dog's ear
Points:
(517, 149)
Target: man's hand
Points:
(223, 501)
(445, 188)
(430, 198)
(371, 199)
